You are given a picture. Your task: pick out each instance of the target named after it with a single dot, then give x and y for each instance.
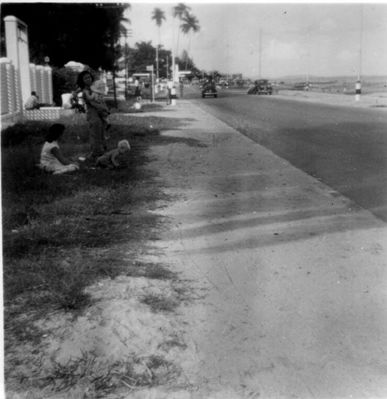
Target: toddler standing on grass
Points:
(51, 158)
(116, 158)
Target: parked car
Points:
(209, 90)
(261, 86)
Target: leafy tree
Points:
(83, 32)
(142, 56)
(190, 23)
(64, 80)
(159, 16)
(186, 62)
(115, 30)
(165, 57)
(180, 11)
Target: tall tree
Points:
(190, 24)
(179, 12)
(143, 56)
(165, 57)
(70, 31)
(185, 62)
(158, 16)
(115, 30)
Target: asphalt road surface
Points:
(343, 147)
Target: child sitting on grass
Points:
(116, 158)
(51, 158)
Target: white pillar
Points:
(50, 94)
(176, 74)
(173, 96)
(357, 90)
(16, 37)
(40, 82)
(33, 77)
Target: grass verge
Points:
(62, 233)
(57, 230)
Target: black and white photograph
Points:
(194, 200)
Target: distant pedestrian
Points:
(137, 91)
(93, 115)
(51, 157)
(181, 86)
(116, 158)
(169, 94)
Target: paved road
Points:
(343, 147)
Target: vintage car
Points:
(209, 90)
(261, 86)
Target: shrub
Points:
(64, 80)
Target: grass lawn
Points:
(59, 231)
(65, 235)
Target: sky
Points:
(274, 39)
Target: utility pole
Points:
(358, 83)
(260, 55)
(308, 58)
(128, 33)
(157, 62)
(173, 51)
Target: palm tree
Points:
(190, 23)
(180, 11)
(115, 14)
(159, 16)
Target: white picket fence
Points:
(12, 107)
(10, 89)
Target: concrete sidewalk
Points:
(289, 276)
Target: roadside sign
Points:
(149, 68)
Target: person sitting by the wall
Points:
(32, 102)
(51, 157)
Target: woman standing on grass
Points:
(93, 111)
